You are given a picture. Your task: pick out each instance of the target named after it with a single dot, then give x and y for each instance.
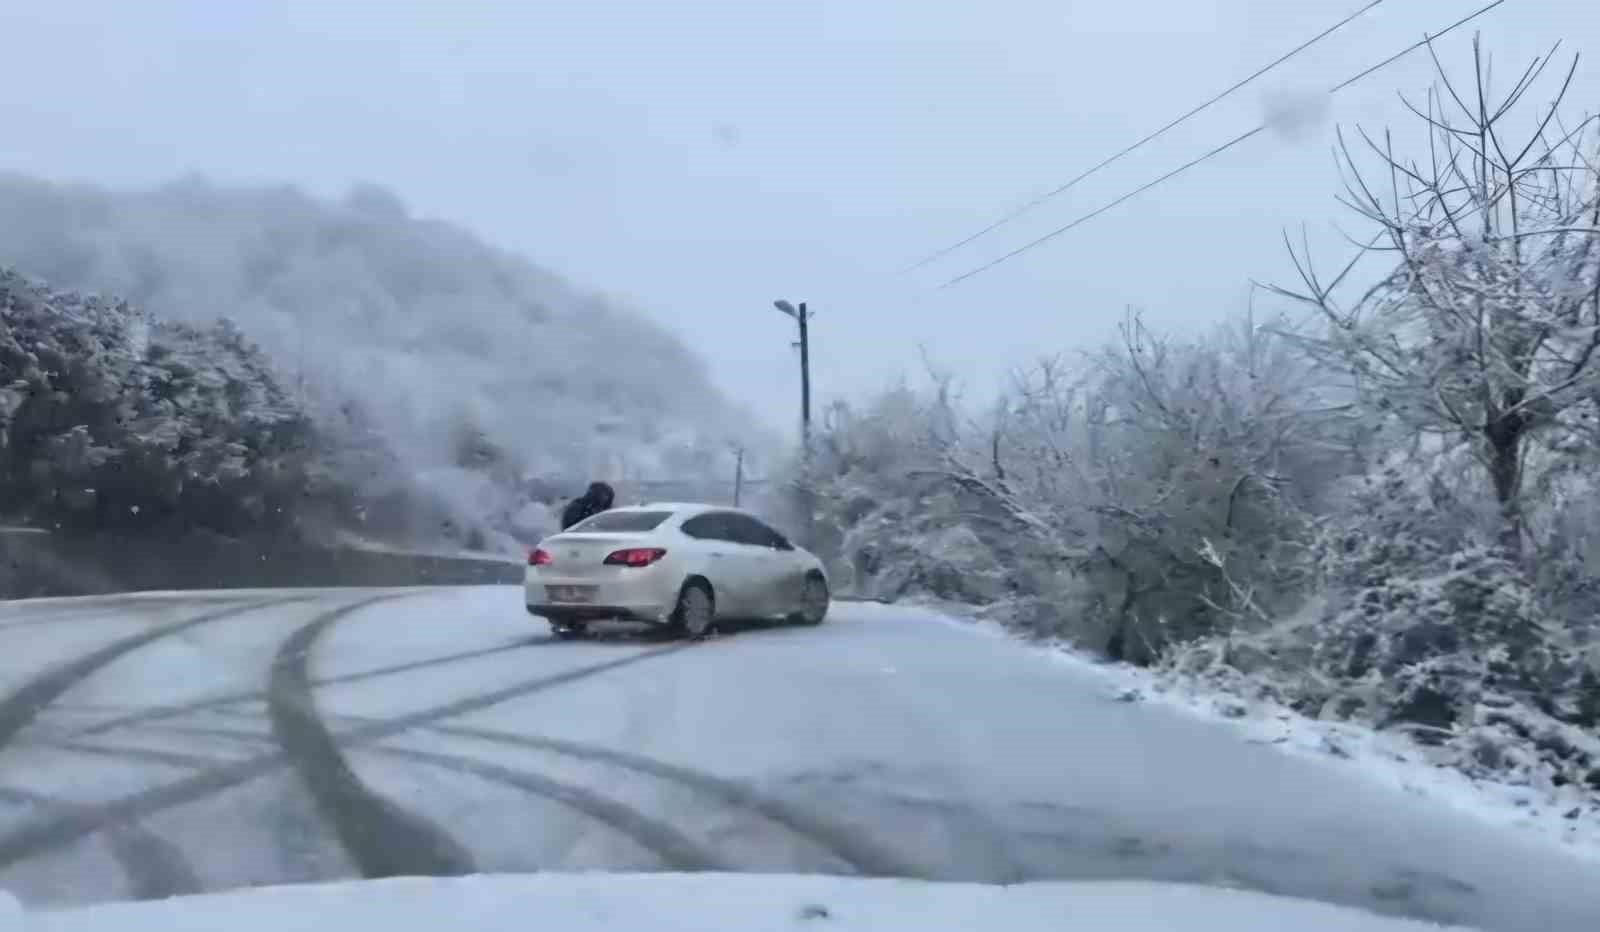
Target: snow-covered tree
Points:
(110, 418)
(881, 502)
(1126, 500)
(1486, 331)
(1178, 478)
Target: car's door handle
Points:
(716, 553)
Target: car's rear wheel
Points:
(814, 599)
(696, 612)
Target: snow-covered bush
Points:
(1422, 615)
(1208, 461)
(881, 504)
(112, 419)
(1150, 494)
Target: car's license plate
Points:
(571, 593)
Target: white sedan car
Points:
(679, 565)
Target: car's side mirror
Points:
(783, 544)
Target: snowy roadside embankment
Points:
(710, 903)
(1516, 784)
(61, 565)
(352, 542)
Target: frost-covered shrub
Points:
(891, 555)
(1421, 604)
(111, 419)
(1564, 516)
(1151, 494)
(1425, 627)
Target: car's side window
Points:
(710, 526)
(750, 531)
(737, 531)
(699, 527)
(771, 536)
(745, 531)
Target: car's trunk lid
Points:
(578, 553)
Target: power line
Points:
(1097, 212)
(1014, 214)
(1214, 152)
(1414, 46)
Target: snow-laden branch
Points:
(1475, 333)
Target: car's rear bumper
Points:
(629, 592)
(564, 613)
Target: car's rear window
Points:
(621, 521)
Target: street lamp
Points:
(801, 317)
(808, 506)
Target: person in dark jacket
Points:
(597, 499)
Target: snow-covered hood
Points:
(709, 903)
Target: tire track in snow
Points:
(45, 834)
(155, 868)
(383, 838)
(675, 850)
(24, 704)
(149, 755)
(24, 613)
(221, 700)
(862, 854)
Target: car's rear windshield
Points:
(621, 521)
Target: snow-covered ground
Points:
(164, 745)
(712, 903)
(1567, 815)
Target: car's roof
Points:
(681, 509)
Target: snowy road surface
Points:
(712, 902)
(164, 744)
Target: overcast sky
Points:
(703, 157)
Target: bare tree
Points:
(1029, 469)
(1485, 331)
(1147, 462)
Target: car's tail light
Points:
(635, 556)
(540, 558)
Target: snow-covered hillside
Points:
(467, 366)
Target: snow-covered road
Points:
(162, 744)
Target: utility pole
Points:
(805, 383)
(807, 494)
(738, 475)
(802, 318)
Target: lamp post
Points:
(801, 317)
(808, 505)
